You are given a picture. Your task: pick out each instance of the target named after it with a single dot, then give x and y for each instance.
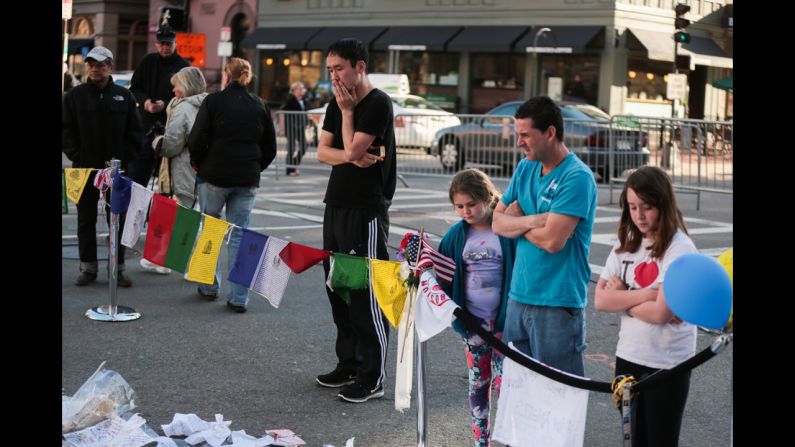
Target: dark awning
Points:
(486, 39)
(660, 46)
(76, 45)
(704, 51)
(416, 38)
(279, 38)
(726, 83)
(562, 39)
(327, 36)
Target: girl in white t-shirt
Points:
(651, 235)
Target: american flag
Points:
(409, 247)
(444, 266)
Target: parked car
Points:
(122, 78)
(586, 132)
(416, 120)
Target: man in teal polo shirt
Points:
(546, 311)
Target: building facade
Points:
(470, 55)
(204, 19)
(120, 26)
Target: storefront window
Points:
(579, 74)
(433, 76)
(379, 62)
(647, 80)
(279, 69)
(496, 78)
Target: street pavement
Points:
(190, 355)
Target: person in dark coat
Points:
(232, 141)
(151, 85)
(98, 122)
(294, 127)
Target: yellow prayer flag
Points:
(204, 259)
(75, 182)
(388, 287)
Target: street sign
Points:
(677, 84)
(226, 34)
(192, 47)
(224, 48)
(66, 9)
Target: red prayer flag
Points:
(300, 257)
(158, 235)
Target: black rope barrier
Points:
(646, 383)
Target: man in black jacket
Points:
(98, 122)
(151, 85)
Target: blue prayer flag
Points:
(251, 248)
(120, 194)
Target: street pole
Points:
(676, 71)
(113, 312)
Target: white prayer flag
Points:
(136, 214)
(404, 367)
(536, 411)
(272, 273)
(434, 309)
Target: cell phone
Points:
(378, 151)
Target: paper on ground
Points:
(114, 431)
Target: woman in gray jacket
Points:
(176, 176)
(180, 179)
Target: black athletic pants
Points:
(362, 329)
(656, 413)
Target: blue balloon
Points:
(698, 290)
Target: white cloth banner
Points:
(405, 354)
(434, 309)
(272, 273)
(536, 411)
(140, 198)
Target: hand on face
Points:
(346, 99)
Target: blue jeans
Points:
(552, 335)
(239, 202)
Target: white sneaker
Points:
(152, 267)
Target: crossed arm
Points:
(548, 231)
(644, 304)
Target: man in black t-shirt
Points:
(358, 141)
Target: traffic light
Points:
(680, 23)
(681, 37)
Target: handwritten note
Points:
(536, 411)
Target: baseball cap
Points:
(166, 34)
(100, 54)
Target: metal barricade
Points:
(695, 153)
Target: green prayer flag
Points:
(183, 235)
(349, 273)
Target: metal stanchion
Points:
(113, 312)
(422, 415)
